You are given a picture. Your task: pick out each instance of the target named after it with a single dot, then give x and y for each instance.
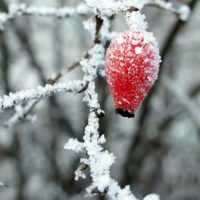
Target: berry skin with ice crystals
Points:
(132, 65)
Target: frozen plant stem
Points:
(25, 111)
(23, 96)
(61, 13)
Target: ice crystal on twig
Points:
(12, 99)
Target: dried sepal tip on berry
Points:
(132, 65)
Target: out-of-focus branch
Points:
(24, 39)
(21, 114)
(61, 13)
(188, 104)
(40, 93)
(183, 12)
(25, 111)
(55, 77)
(194, 91)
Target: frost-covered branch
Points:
(183, 12)
(24, 112)
(40, 93)
(15, 10)
(109, 8)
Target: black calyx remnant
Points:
(124, 113)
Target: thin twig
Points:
(183, 12)
(17, 10)
(69, 68)
(17, 117)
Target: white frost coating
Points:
(105, 34)
(102, 7)
(16, 10)
(90, 26)
(184, 12)
(83, 9)
(135, 21)
(20, 113)
(138, 50)
(120, 39)
(40, 93)
(74, 145)
(78, 174)
(102, 139)
(110, 7)
(152, 197)
(100, 162)
(94, 64)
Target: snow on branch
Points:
(16, 10)
(22, 9)
(111, 7)
(102, 7)
(40, 93)
(183, 11)
(23, 113)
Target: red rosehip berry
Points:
(132, 64)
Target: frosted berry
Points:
(132, 64)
